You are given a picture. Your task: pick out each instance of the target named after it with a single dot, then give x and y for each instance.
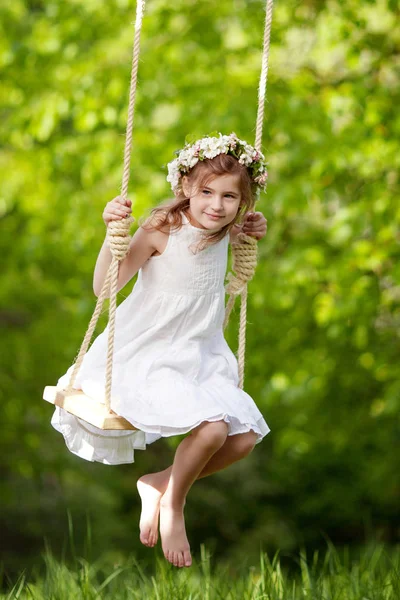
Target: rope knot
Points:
(244, 254)
(118, 237)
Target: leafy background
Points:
(323, 332)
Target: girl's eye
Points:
(226, 195)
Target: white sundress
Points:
(173, 368)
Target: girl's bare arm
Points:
(141, 247)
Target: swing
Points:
(244, 258)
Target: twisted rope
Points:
(117, 232)
(244, 253)
(262, 87)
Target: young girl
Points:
(173, 371)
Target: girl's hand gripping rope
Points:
(254, 224)
(117, 208)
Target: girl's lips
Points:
(214, 216)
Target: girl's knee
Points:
(212, 433)
(245, 442)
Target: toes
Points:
(178, 559)
(148, 538)
(144, 538)
(188, 558)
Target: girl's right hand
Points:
(116, 209)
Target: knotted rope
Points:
(117, 232)
(244, 253)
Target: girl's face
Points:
(216, 204)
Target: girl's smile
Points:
(216, 217)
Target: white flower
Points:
(173, 173)
(184, 157)
(173, 166)
(204, 143)
(193, 161)
(173, 179)
(245, 159)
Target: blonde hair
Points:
(170, 213)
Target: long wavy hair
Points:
(168, 215)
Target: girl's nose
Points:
(217, 204)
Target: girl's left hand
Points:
(255, 224)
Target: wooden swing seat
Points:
(86, 408)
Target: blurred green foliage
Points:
(323, 333)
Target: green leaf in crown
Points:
(191, 138)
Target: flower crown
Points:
(209, 147)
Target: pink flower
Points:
(261, 179)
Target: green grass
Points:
(371, 574)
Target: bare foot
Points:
(150, 487)
(175, 544)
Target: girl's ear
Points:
(186, 186)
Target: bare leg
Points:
(191, 456)
(151, 487)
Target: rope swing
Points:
(244, 257)
(118, 237)
(244, 253)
